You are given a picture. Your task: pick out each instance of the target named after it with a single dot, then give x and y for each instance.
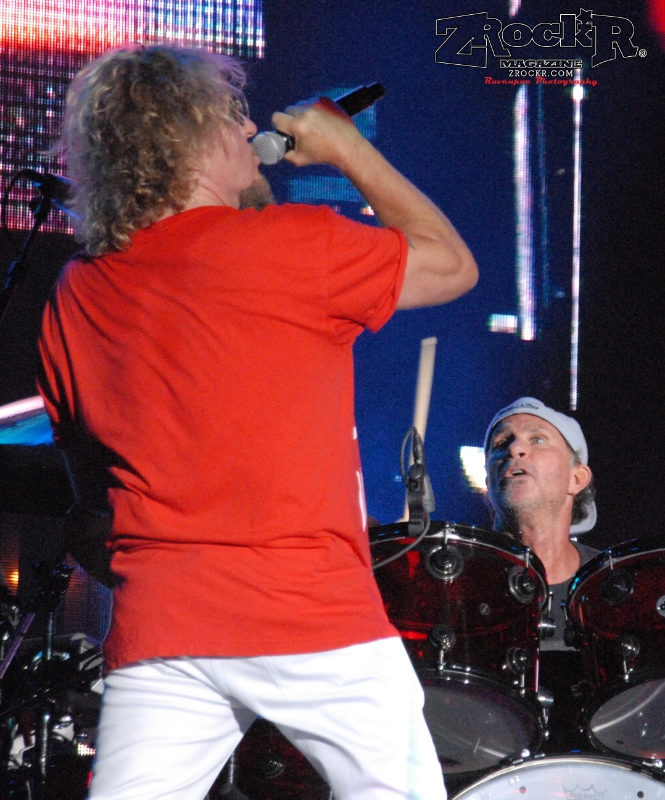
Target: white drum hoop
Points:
(571, 777)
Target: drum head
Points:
(475, 724)
(633, 722)
(568, 777)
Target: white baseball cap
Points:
(568, 427)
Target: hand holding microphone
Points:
(272, 146)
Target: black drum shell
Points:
(473, 695)
(477, 605)
(266, 766)
(621, 636)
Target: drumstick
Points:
(423, 395)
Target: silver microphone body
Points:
(272, 146)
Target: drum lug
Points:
(518, 661)
(522, 586)
(445, 563)
(629, 647)
(545, 698)
(660, 606)
(617, 587)
(547, 627)
(443, 638)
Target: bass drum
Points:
(467, 604)
(572, 777)
(616, 610)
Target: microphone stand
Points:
(415, 496)
(419, 498)
(17, 270)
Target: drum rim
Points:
(609, 692)
(631, 765)
(613, 555)
(492, 540)
(477, 678)
(529, 700)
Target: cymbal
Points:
(33, 476)
(25, 422)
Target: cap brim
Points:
(587, 523)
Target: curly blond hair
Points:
(135, 120)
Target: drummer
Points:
(540, 488)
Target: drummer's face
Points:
(530, 466)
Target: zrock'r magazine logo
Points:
(468, 38)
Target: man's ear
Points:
(580, 478)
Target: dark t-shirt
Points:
(559, 595)
(561, 673)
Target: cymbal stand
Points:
(54, 580)
(8, 622)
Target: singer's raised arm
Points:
(440, 266)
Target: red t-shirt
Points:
(210, 365)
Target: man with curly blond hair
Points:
(196, 365)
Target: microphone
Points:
(55, 188)
(429, 504)
(361, 98)
(52, 187)
(272, 146)
(419, 494)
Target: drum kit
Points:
(50, 698)
(472, 608)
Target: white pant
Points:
(168, 726)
